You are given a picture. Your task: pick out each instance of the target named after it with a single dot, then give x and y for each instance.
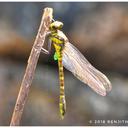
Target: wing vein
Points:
(75, 62)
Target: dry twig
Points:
(30, 69)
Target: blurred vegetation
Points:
(98, 30)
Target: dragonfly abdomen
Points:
(62, 104)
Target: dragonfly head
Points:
(56, 25)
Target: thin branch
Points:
(30, 69)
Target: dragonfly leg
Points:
(45, 51)
(53, 20)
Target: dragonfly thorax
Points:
(58, 37)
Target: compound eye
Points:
(56, 25)
(61, 25)
(53, 27)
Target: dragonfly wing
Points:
(75, 62)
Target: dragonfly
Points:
(71, 58)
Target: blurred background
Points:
(98, 30)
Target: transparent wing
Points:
(75, 62)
